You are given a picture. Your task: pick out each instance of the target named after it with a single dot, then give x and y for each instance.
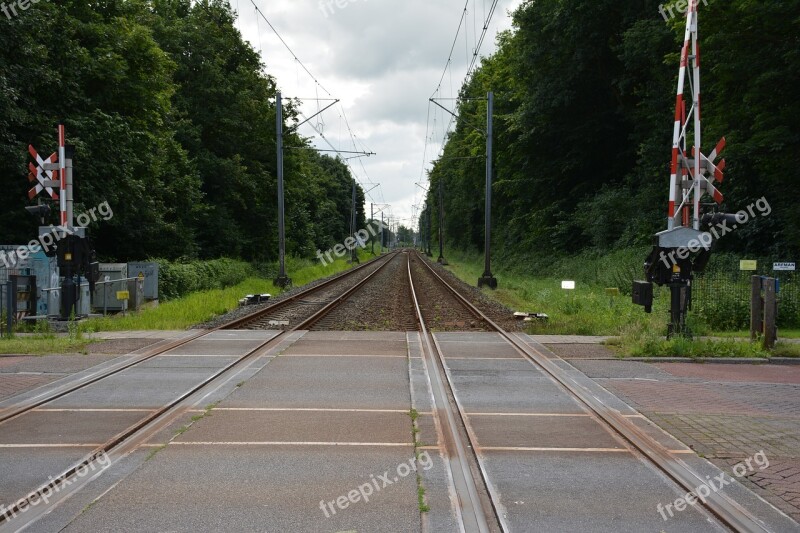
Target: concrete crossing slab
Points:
(510, 392)
(356, 427)
(542, 432)
(217, 347)
(135, 387)
(187, 361)
(335, 382)
(22, 471)
(67, 427)
(327, 413)
(221, 488)
(598, 492)
(349, 348)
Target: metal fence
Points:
(722, 298)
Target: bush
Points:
(181, 278)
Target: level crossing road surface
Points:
(339, 431)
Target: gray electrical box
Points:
(149, 273)
(112, 279)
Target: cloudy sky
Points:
(383, 59)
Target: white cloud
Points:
(382, 59)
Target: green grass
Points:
(782, 334)
(651, 345)
(181, 313)
(786, 350)
(199, 307)
(41, 344)
(39, 340)
(589, 310)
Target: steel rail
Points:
(731, 513)
(336, 302)
(23, 407)
(123, 437)
(238, 323)
(54, 486)
(51, 395)
(472, 515)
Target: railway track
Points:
(289, 312)
(327, 296)
(431, 304)
(473, 484)
(381, 305)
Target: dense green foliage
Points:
(176, 279)
(584, 110)
(173, 119)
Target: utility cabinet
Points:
(113, 278)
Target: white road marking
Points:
(295, 443)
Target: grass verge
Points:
(588, 310)
(655, 346)
(40, 344)
(43, 341)
(177, 314)
(591, 310)
(202, 306)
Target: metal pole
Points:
(429, 233)
(441, 259)
(372, 221)
(62, 174)
(381, 232)
(70, 152)
(487, 278)
(282, 280)
(354, 251)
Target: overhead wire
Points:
(453, 47)
(475, 56)
(478, 44)
(318, 86)
(285, 44)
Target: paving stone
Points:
(726, 413)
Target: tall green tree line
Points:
(173, 117)
(584, 110)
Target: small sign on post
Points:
(783, 267)
(124, 296)
(748, 265)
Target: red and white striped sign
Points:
(37, 174)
